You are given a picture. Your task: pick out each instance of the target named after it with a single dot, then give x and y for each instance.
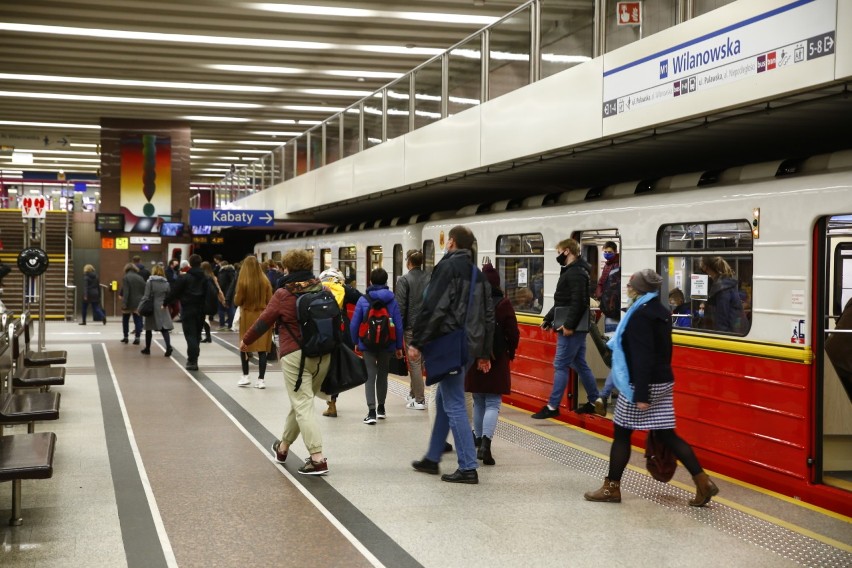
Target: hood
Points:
(229, 267)
(380, 292)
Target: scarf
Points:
(620, 372)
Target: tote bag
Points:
(446, 355)
(345, 371)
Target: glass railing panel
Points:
(301, 154)
(332, 139)
(567, 33)
(315, 147)
(701, 7)
(465, 76)
(509, 54)
(427, 93)
(351, 131)
(373, 121)
(398, 107)
(289, 164)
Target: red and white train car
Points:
(761, 402)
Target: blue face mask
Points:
(608, 255)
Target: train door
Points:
(374, 260)
(428, 256)
(833, 412)
(398, 264)
(325, 259)
(595, 246)
(347, 264)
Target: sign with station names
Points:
(231, 217)
(35, 140)
(794, 34)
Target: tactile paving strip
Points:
(779, 540)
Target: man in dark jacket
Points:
(409, 295)
(143, 272)
(572, 295)
(227, 277)
(190, 289)
(445, 309)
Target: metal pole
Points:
(41, 291)
(535, 42)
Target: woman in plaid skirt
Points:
(642, 371)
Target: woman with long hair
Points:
(157, 288)
(252, 294)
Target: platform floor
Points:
(156, 466)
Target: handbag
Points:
(659, 459)
(345, 371)
(146, 307)
(447, 355)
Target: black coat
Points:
(92, 288)
(647, 344)
(572, 291)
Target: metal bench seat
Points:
(25, 456)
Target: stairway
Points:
(56, 296)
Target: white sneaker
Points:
(259, 384)
(414, 405)
(408, 398)
(244, 381)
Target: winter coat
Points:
(499, 379)
(445, 306)
(572, 291)
(647, 344)
(409, 294)
(724, 309)
(608, 266)
(143, 272)
(383, 294)
(189, 289)
(91, 288)
(132, 290)
(227, 277)
(250, 313)
(157, 288)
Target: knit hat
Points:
(491, 274)
(331, 274)
(646, 280)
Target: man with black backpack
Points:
(192, 291)
(376, 329)
(310, 328)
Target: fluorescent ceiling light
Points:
(365, 74)
(283, 121)
(240, 151)
(74, 145)
(336, 92)
(270, 70)
(205, 141)
(134, 83)
(49, 124)
(133, 100)
(216, 118)
(399, 49)
(64, 152)
(275, 133)
(191, 150)
(259, 69)
(21, 158)
(310, 122)
(313, 108)
(364, 13)
(259, 143)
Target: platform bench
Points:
(25, 456)
(27, 376)
(39, 358)
(27, 408)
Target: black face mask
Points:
(561, 259)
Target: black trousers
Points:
(191, 322)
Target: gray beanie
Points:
(646, 280)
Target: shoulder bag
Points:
(659, 459)
(345, 371)
(447, 355)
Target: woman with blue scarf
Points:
(642, 371)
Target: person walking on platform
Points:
(409, 295)
(572, 296)
(205, 323)
(92, 295)
(132, 290)
(226, 277)
(377, 330)
(346, 296)
(190, 289)
(445, 309)
(642, 371)
(282, 309)
(156, 289)
(253, 293)
(140, 268)
(488, 388)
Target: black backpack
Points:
(321, 324)
(207, 296)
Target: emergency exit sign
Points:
(628, 13)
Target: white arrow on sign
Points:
(268, 218)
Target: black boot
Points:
(487, 458)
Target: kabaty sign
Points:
(628, 13)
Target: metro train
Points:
(761, 402)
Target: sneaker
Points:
(314, 468)
(221, 328)
(280, 457)
(191, 367)
(380, 412)
(244, 381)
(260, 384)
(545, 412)
(600, 407)
(426, 466)
(414, 405)
(370, 418)
(408, 398)
(587, 408)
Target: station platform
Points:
(156, 466)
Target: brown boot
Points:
(331, 411)
(610, 492)
(704, 490)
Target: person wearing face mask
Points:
(572, 293)
(608, 290)
(680, 311)
(642, 370)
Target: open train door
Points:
(833, 408)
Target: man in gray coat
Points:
(409, 296)
(132, 290)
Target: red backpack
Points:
(377, 331)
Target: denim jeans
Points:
(137, 324)
(97, 312)
(486, 408)
(571, 352)
(451, 415)
(608, 386)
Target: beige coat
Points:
(249, 314)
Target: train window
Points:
(428, 256)
(397, 263)
(520, 263)
(374, 259)
(276, 255)
(708, 282)
(325, 259)
(263, 257)
(348, 263)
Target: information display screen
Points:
(109, 222)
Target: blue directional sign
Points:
(231, 217)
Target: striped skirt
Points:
(659, 417)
